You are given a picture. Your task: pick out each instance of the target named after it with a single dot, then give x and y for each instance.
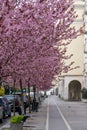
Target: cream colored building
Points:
(71, 83)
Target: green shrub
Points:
(17, 119)
(84, 93)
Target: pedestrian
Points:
(18, 106)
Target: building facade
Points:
(71, 84)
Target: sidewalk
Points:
(36, 121)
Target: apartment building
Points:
(71, 83)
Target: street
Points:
(55, 119)
(65, 115)
(56, 114)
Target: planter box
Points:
(16, 126)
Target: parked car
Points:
(4, 103)
(17, 100)
(10, 99)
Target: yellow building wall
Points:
(77, 45)
(76, 48)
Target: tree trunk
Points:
(34, 90)
(22, 94)
(0, 81)
(14, 98)
(29, 97)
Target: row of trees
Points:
(33, 40)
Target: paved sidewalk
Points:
(36, 121)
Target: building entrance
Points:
(74, 91)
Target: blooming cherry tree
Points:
(33, 39)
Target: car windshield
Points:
(10, 97)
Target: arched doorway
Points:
(74, 91)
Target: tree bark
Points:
(29, 97)
(22, 94)
(14, 97)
